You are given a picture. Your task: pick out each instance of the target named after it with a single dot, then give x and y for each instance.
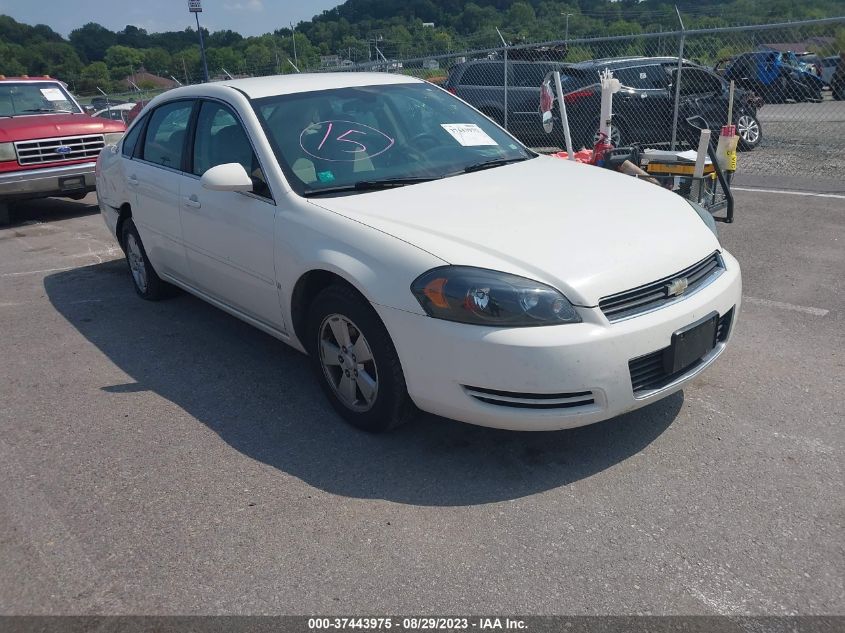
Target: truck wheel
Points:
(5, 214)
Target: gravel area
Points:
(800, 139)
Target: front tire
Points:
(147, 283)
(355, 361)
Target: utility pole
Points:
(678, 81)
(195, 7)
(505, 76)
(293, 37)
(566, 37)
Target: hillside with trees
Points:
(361, 30)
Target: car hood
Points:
(26, 127)
(585, 230)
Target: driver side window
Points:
(220, 138)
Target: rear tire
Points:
(147, 283)
(355, 362)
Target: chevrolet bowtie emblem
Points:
(677, 287)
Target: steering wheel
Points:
(422, 139)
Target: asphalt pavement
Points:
(165, 458)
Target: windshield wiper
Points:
(50, 110)
(496, 162)
(371, 185)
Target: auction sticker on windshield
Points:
(468, 134)
(52, 94)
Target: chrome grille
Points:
(69, 148)
(648, 372)
(531, 400)
(656, 294)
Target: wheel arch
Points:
(306, 289)
(125, 213)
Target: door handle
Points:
(133, 180)
(193, 202)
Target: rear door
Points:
(482, 85)
(229, 235)
(524, 99)
(154, 175)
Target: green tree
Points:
(92, 41)
(225, 57)
(157, 61)
(94, 75)
(123, 61)
(55, 59)
(10, 64)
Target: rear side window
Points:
(131, 139)
(166, 132)
(484, 75)
(650, 77)
(529, 75)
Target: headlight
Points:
(705, 216)
(486, 297)
(7, 152)
(112, 138)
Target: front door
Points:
(229, 236)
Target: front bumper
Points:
(67, 180)
(441, 359)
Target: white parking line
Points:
(768, 303)
(791, 193)
(36, 272)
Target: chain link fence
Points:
(789, 83)
(788, 104)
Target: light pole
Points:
(195, 7)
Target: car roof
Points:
(259, 87)
(119, 107)
(627, 61)
(27, 79)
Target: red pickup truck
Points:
(48, 144)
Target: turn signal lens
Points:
(433, 291)
(488, 297)
(112, 138)
(7, 152)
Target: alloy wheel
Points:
(136, 263)
(748, 129)
(347, 362)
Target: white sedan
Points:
(420, 255)
(119, 112)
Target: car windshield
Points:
(370, 137)
(27, 98)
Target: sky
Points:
(248, 17)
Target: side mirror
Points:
(227, 177)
